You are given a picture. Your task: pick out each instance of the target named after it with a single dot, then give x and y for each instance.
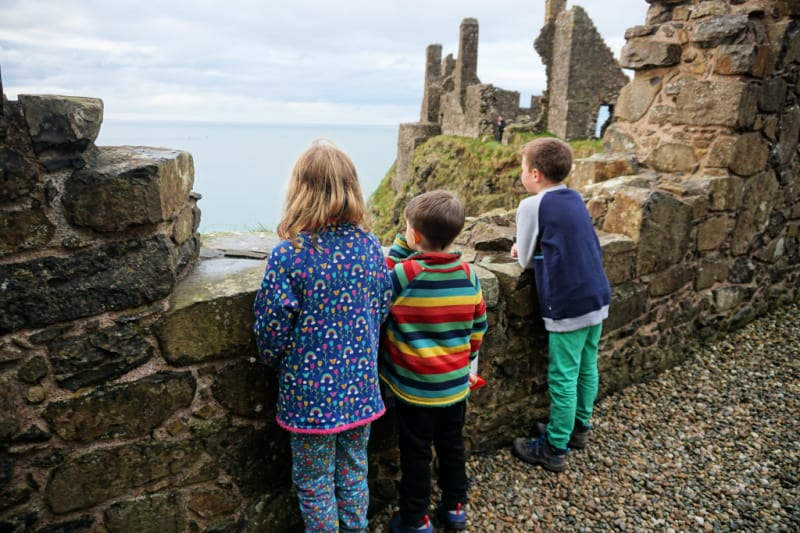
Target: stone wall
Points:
(129, 399)
(454, 101)
(582, 76)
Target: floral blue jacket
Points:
(317, 319)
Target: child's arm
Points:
(398, 251)
(275, 308)
(527, 232)
(479, 323)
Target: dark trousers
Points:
(418, 427)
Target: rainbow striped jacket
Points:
(435, 326)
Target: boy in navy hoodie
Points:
(556, 238)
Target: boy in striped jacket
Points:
(435, 328)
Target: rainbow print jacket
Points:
(318, 315)
(435, 326)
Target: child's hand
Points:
(514, 250)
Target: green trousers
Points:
(572, 380)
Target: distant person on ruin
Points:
(318, 313)
(499, 127)
(435, 327)
(556, 238)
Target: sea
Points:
(242, 170)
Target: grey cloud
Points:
(353, 51)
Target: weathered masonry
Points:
(128, 399)
(582, 77)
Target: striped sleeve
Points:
(398, 251)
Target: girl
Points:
(318, 313)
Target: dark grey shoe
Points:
(539, 452)
(577, 440)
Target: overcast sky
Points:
(293, 61)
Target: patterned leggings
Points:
(330, 475)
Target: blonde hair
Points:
(323, 188)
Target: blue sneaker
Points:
(452, 520)
(540, 452)
(396, 525)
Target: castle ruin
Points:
(128, 396)
(582, 76)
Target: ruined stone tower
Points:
(582, 74)
(466, 73)
(553, 8)
(429, 111)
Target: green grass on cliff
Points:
(484, 174)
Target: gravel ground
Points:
(711, 445)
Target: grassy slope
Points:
(484, 174)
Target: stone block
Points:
(131, 409)
(256, 460)
(773, 95)
(660, 114)
(33, 371)
(609, 189)
(409, 136)
(277, 512)
(24, 229)
(710, 8)
(724, 192)
(490, 287)
(107, 473)
(720, 153)
(127, 186)
(715, 31)
(742, 270)
(211, 313)
(793, 46)
(730, 103)
(213, 502)
(641, 54)
(512, 286)
(787, 8)
(764, 62)
(61, 123)
(246, 389)
(789, 134)
(108, 277)
(758, 194)
(713, 232)
(726, 298)
(672, 157)
(162, 512)
(485, 236)
(669, 280)
(710, 272)
(619, 257)
(10, 423)
(185, 225)
(629, 302)
(18, 176)
(750, 154)
(601, 167)
(98, 357)
(735, 59)
(618, 139)
(637, 96)
(658, 222)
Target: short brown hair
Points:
(438, 215)
(323, 187)
(553, 157)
